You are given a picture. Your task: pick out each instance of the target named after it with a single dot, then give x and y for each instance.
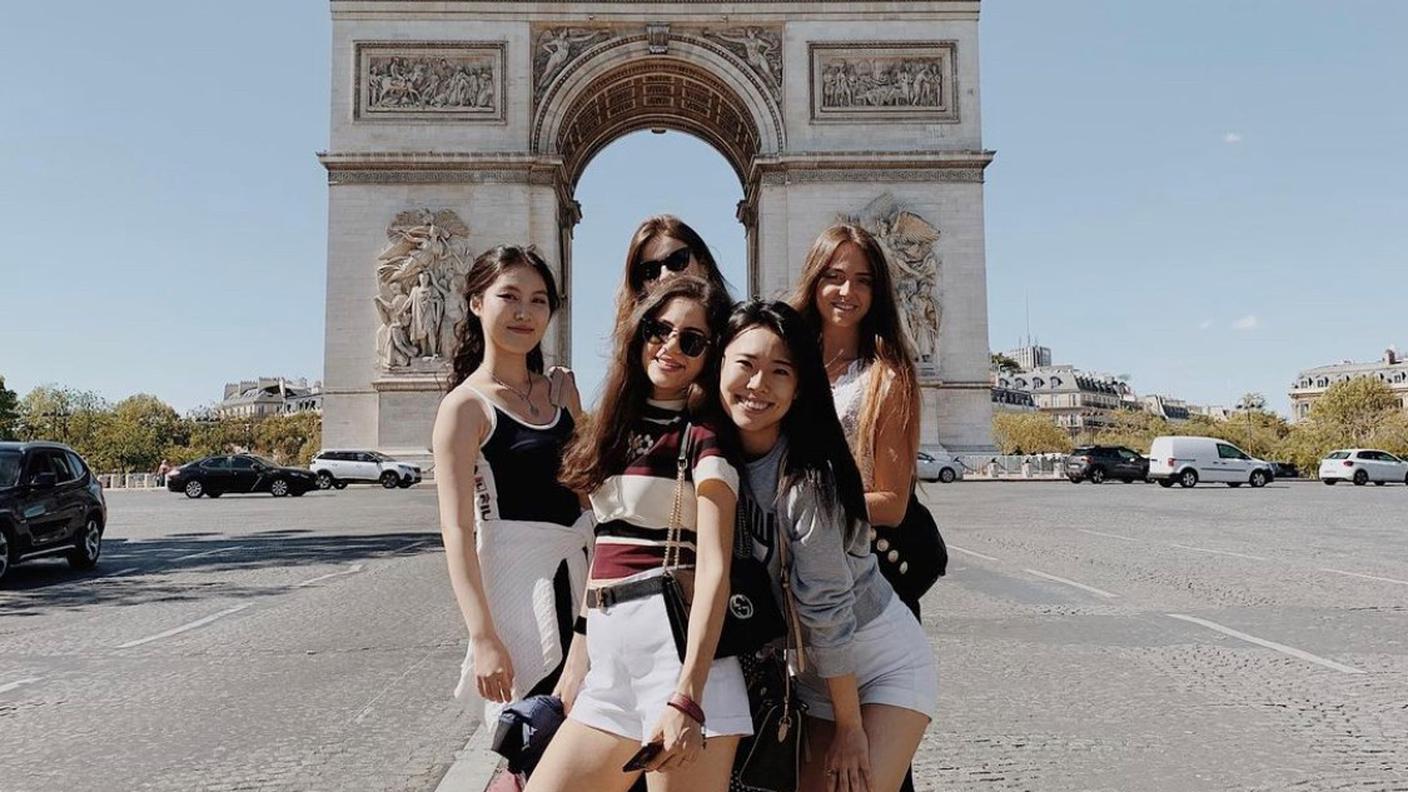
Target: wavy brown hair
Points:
(492, 263)
(633, 287)
(602, 441)
(882, 339)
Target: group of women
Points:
(794, 422)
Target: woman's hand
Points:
(493, 669)
(574, 670)
(848, 760)
(683, 738)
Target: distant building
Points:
(268, 396)
(1079, 402)
(1007, 399)
(1312, 383)
(1214, 411)
(1166, 407)
(1030, 357)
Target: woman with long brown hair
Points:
(512, 533)
(662, 247)
(662, 486)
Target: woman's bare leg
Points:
(893, 733)
(581, 757)
(708, 773)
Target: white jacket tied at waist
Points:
(518, 560)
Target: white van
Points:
(1177, 459)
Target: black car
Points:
(214, 476)
(50, 504)
(1098, 463)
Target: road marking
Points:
(1082, 586)
(183, 628)
(971, 552)
(1282, 648)
(353, 570)
(411, 545)
(205, 553)
(368, 709)
(8, 686)
(124, 571)
(1366, 577)
(1112, 536)
(1218, 552)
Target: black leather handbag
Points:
(752, 617)
(912, 554)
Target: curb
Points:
(474, 765)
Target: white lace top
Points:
(848, 393)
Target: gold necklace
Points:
(527, 398)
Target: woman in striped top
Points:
(638, 691)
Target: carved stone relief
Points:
(420, 299)
(447, 80)
(759, 48)
(872, 81)
(555, 47)
(909, 240)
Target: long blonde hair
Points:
(894, 382)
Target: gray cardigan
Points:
(837, 585)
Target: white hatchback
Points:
(1363, 465)
(934, 465)
(337, 467)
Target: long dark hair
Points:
(882, 337)
(817, 455)
(633, 287)
(469, 351)
(599, 448)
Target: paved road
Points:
(1121, 637)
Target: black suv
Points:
(214, 476)
(1097, 463)
(50, 503)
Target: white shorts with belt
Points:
(895, 665)
(635, 668)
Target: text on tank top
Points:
(516, 475)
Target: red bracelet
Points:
(688, 706)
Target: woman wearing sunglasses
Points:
(870, 681)
(650, 462)
(510, 529)
(662, 247)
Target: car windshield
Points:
(9, 468)
(1339, 455)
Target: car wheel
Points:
(1127, 481)
(342, 485)
(87, 546)
(213, 493)
(405, 483)
(1165, 483)
(1188, 478)
(1380, 483)
(947, 475)
(195, 489)
(389, 479)
(1097, 475)
(278, 488)
(325, 480)
(1329, 482)
(6, 548)
(1361, 477)
(1258, 478)
(298, 493)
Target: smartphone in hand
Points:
(643, 757)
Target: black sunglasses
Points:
(675, 262)
(692, 342)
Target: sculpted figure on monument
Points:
(403, 82)
(416, 276)
(557, 46)
(909, 239)
(882, 82)
(760, 48)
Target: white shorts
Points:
(635, 668)
(895, 665)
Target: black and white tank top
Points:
(516, 475)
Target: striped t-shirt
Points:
(633, 507)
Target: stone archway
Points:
(455, 129)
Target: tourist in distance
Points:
(662, 247)
(867, 675)
(641, 707)
(515, 538)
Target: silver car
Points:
(937, 466)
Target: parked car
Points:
(1186, 461)
(937, 466)
(214, 476)
(337, 467)
(1363, 465)
(50, 504)
(1285, 470)
(1098, 463)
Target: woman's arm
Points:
(460, 426)
(848, 756)
(892, 474)
(821, 580)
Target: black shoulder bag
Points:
(912, 554)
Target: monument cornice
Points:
(439, 167)
(825, 166)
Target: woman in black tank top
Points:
(508, 525)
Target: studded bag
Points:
(912, 554)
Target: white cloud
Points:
(1205, 324)
(1232, 137)
(1247, 322)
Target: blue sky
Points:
(1204, 195)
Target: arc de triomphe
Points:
(457, 125)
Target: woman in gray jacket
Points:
(871, 685)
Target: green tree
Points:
(64, 415)
(136, 435)
(1355, 406)
(1258, 432)
(1134, 429)
(1028, 433)
(9, 412)
(290, 439)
